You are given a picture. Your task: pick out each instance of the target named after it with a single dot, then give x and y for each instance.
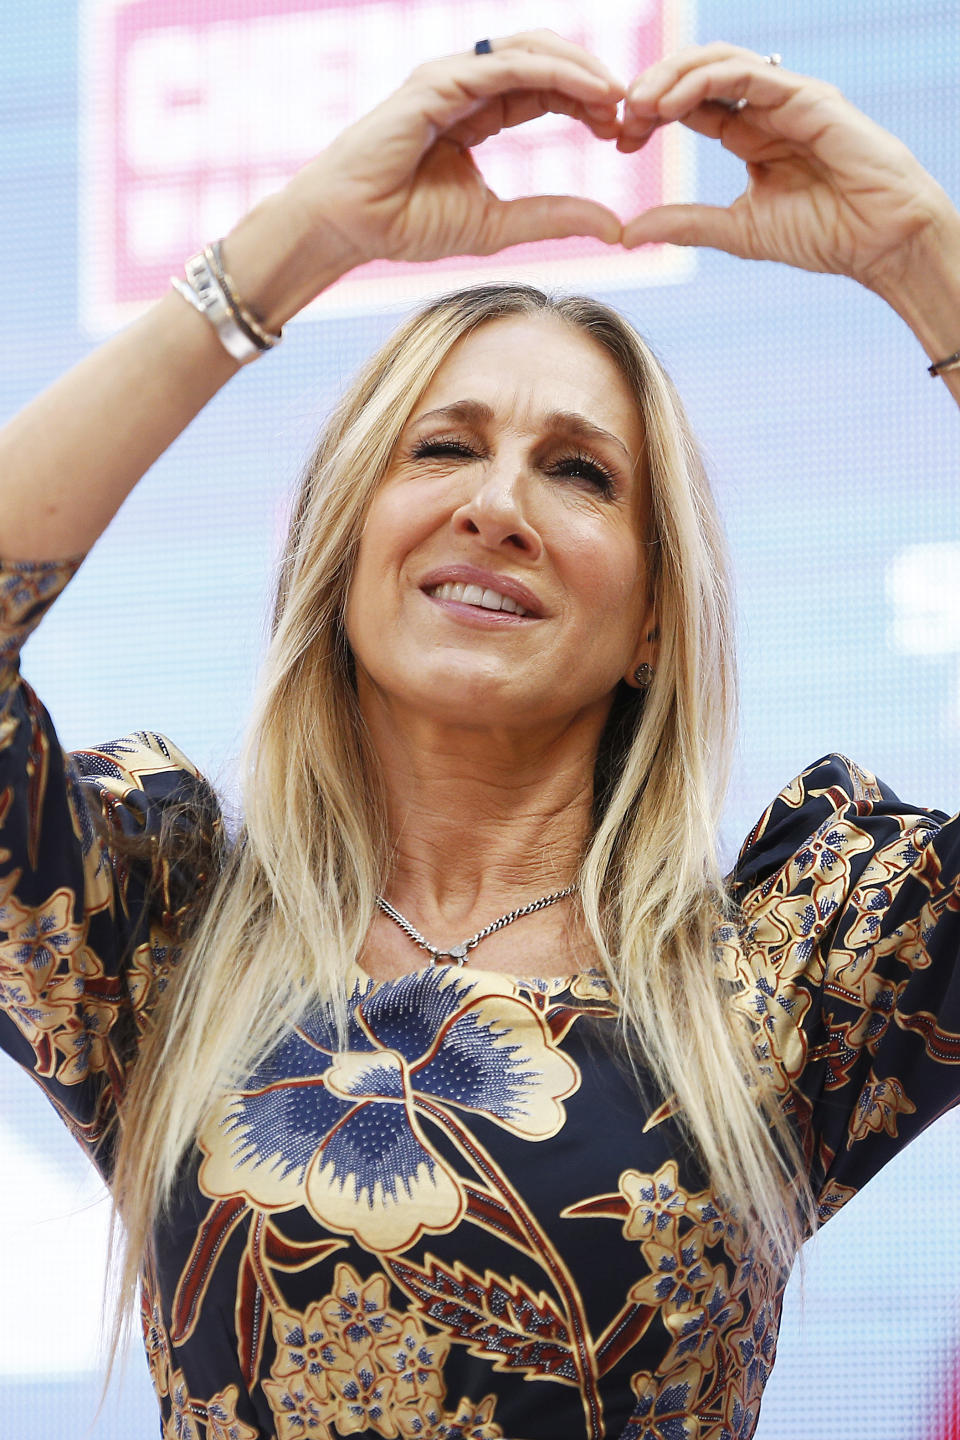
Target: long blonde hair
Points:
(292, 906)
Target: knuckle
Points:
(530, 39)
(824, 92)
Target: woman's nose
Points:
(495, 511)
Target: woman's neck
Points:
(480, 822)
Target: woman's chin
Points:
(471, 696)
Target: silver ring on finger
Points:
(735, 106)
(483, 47)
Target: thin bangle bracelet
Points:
(952, 362)
(248, 322)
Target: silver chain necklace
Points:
(459, 952)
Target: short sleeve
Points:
(89, 906)
(846, 960)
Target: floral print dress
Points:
(470, 1223)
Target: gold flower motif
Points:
(665, 1404)
(306, 1349)
(181, 1424)
(364, 1399)
(879, 1106)
(155, 1341)
(357, 1314)
(299, 1415)
(469, 1421)
(39, 937)
(678, 1274)
(831, 1198)
(656, 1202)
(222, 1422)
(415, 1361)
(83, 1039)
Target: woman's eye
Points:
(575, 467)
(432, 449)
(583, 467)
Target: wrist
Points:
(922, 283)
(279, 261)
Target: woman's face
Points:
(502, 576)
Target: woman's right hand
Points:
(402, 184)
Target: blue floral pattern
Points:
(344, 1133)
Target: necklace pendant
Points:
(457, 953)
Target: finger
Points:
(602, 120)
(658, 79)
(450, 90)
(627, 144)
(507, 111)
(685, 225)
(547, 217)
(750, 78)
(749, 134)
(642, 111)
(549, 43)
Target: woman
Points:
(554, 1190)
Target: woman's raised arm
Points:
(399, 184)
(827, 189)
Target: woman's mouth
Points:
(482, 597)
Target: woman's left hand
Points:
(827, 188)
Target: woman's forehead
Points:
(527, 368)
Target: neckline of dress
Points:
(536, 982)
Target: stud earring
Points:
(643, 675)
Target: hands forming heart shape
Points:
(826, 188)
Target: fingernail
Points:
(616, 86)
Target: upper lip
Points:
(472, 575)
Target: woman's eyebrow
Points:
(580, 428)
(569, 422)
(468, 412)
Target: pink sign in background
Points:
(192, 113)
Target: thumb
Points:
(685, 225)
(549, 217)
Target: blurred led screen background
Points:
(132, 133)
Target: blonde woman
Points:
(461, 1096)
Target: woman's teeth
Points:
(475, 595)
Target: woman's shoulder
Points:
(143, 761)
(833, 811)
(142, 787)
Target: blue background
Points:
(831, 452)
